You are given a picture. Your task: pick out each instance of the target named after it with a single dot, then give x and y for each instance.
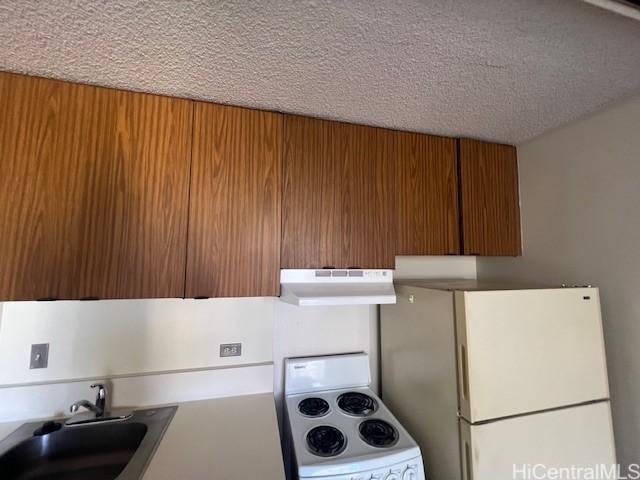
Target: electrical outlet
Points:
(230, 349)
(39, 355)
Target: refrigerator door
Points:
(522, 351)
(577, 437)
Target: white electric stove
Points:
(339, 428)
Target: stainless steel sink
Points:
(99, 450)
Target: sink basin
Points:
(104, 450)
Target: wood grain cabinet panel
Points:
(367, 195)
(337, 197)
(94, 191)
(490, 202)
(311, 210)
(235, 206)
(112, 194)
(134, 221)
(38, 185)
(426, 188)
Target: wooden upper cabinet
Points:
(311, 216)
(366, 195)
(112, 194)
(134, 223)
(337, 196)
(94, 191)
(490, 203)
(427, 221)
(234, 219)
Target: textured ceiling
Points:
(502, 70)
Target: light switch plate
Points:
(230, 349)
(39, 355)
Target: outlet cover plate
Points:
(230, 349)
(39, 355)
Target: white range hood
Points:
(337, 287)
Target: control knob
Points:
(410, 474)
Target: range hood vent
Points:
(337, 287)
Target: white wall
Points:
(124, 337)
(114, 338)
(442, 267)
(580, 199)
(302, 331)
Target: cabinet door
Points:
(234, 219)
(367, 195)
(427, 220)
(94, 191)
(490, 204)
(311, 216)
(338, 197)
(134, 224)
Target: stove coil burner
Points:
(357, 404)
(313, 407)
(378, 433)
(326, 441)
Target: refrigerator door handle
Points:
(464, 375)
(468, 475)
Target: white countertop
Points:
(8, 427)
(229, 438)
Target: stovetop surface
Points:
(352, 431)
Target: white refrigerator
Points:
(498, 382)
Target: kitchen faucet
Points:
(98, 408)
(96, 412)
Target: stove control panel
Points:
(405, 471)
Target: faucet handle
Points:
(101, 390)
(101, 398)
